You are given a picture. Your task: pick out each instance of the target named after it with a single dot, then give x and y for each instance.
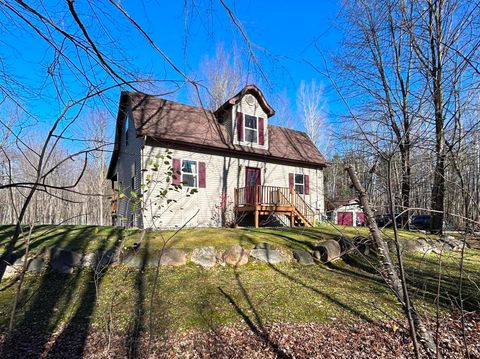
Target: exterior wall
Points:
(223, 174)
(128, 164)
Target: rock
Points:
(89, 260)
(173, 257)
(100, 259)
(455, 244)
(263, 245)
(344, 242)
(363, 244)
(327, 251)
(422, 245)
(36, 265)
(63, 260)
(137, 259)
(271, 256)
(205, 257)
(235, 256)
(14, 269)
(303, 257)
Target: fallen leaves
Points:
(279, 340)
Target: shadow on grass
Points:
(60, 301)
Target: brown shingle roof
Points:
(168, 121)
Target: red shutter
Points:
(240, 126)
(261, 139)
(201, 175)
(290, 180)
(307, 184)
(177, 174)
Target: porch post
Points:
(255, 193)
(292, 206)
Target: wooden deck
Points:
(268, 200)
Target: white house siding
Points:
(207, 201)
(128, 156)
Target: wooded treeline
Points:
(408, 75)
(70, 198)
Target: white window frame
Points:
(251, 129)
(189, 173)
(295, 183)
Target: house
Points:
(346, 212)
(243, 169)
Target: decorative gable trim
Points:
(249, 89)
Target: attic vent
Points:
(249, 99)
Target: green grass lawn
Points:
(91, 238)
(190, 297)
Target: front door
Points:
(252, 179)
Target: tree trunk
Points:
(389, 271)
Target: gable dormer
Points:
(247, 116)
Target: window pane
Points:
(250, 135)
(189, 166)
(299, 188)
(189, 180)
(250, 122)
(299, 179)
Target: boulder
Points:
(137, 260)
(263, 245)
(455, 244)
(89, 260)
(363, 244)
(327, 251)
(64, 260)
(205, 257)
(235, 256)
(303, 257)
(173, 257)
(36, 265)
(344, 242)
(101, 259)
(14, 269)
(271, 256)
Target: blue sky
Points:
(284, 34)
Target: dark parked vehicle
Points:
(421, 221)
(386, 220)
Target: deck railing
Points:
(267, 195)
(273, 196)
(304, 208)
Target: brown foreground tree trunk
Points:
(391, 276)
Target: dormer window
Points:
(251, 129)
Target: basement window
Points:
(190, 173)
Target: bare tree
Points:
(225, 74)
(311, 107)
